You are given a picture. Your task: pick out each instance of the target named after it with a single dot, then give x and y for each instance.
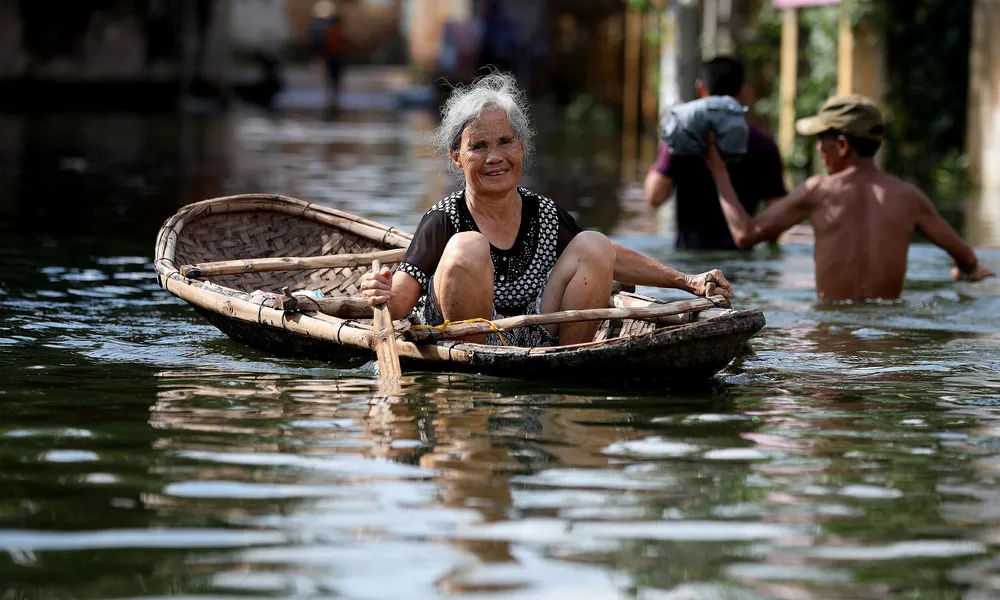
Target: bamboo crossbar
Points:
(345, 307)
(653, 312)
(289, 263)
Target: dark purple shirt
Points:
(757, 177)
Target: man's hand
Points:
(980, 273)
(712, 156)
(709, 283)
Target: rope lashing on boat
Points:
(440, 328)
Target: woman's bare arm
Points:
(638, 269)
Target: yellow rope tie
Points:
(440, 328)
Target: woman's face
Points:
(490, 154)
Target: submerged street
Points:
(856, 457)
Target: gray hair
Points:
(468, 103)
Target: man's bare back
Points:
(863, 218)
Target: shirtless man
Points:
(863, 218)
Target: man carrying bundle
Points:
(863, 218)
(757, 175)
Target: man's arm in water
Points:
(938, 231)
(768, 225)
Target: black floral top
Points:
(519, 273)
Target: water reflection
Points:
(534, 492)
(104, 175)
(974, 501)
(121, 175)
(282, 482)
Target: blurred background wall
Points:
(603, 63)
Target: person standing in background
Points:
(758, 176)
(327, 39)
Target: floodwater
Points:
(143, 454)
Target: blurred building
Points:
(121, 52)
(427, 25)
(586, 48)
(374, 29)
(560, 47)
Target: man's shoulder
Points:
(873, 177)
(849, 181)
(887, 178)
(900, 187)
(761, 141)
(817, 181)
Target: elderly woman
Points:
(492, 249)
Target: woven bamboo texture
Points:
(242, 235)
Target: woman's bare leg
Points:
(580, 279)
(463, 280)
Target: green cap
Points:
(851, 115)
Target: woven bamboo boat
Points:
(240, 260)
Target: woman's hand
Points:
(709, 283)
(376, 288)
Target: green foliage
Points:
(641, 4)
(586, 114)
(927, 47)
(817, 76)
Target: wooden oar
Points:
(709, 285)
(384, 337)
(289, 263)
(460, 330)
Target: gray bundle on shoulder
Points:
(686, 127)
